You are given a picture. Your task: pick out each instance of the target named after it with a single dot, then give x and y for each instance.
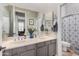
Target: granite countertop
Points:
(11, 43)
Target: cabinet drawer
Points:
(26, 48)
(40, 44)
(30, 47)
(28, 53)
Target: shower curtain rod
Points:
(70, 15)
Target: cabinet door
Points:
(42, 51)
(52, 49)
(7, 53)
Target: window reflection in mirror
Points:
(21, 28)
(21, 23)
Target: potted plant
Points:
(31, 31)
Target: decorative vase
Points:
(31, 35)
(42, 27)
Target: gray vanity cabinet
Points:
(47, 48)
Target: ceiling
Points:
(40, 7)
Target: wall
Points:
(4, 19)
(0, 29)
(5, 16)
(40, 21)
(71, 8)
(32, 15)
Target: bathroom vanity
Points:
(20, 21)
(41, 46)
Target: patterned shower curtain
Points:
(70, 30)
